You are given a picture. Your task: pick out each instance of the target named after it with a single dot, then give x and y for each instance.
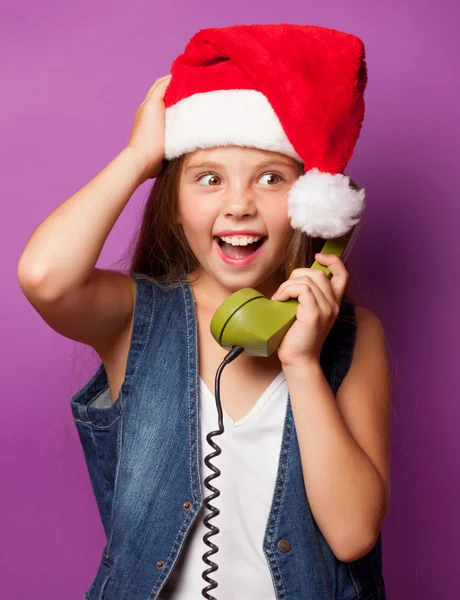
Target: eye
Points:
(212, 175)
(273, 175)
(215, 179)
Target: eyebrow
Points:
(216, 165)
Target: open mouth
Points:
(238, 252)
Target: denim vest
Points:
(143, 456)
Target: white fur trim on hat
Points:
(224, 118)
(324, 205)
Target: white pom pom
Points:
(324, 205)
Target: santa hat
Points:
(293, 89)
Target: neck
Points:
(209, 293)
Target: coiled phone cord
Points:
(233, 353)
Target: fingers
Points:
(328, 293)
(324, 298)
(161, 82)
(338, 281)
(318, 278)
(306, 287)
(333, 262)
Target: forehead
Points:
(226, 154)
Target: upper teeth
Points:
(240, 241)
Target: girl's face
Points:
(233, 189)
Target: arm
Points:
(344, 442)
(57, 271)
(61, 254)
(63, 250)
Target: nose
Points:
(238, 204)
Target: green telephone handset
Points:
(248, 319)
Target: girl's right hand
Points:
(147, 136)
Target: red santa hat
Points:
(293, 89)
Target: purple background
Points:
(72, 77)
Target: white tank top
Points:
(248, 465)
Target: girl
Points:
(247, 189)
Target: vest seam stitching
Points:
(115, 488)
(189, 391)
(146, 340)
(89, 422)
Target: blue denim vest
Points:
(143, 455)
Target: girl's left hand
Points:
(319, 304)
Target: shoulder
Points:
(361, 339)
(370, 332)
(370, 348)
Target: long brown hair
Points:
(160, 250)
